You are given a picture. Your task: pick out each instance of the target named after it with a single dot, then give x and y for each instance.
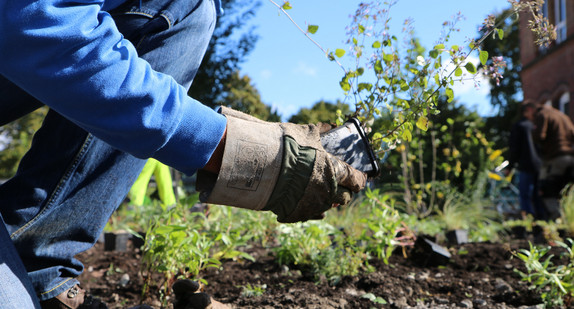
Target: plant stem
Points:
(308, 36)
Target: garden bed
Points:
(478, 275)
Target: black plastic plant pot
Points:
(116, 241)
(457, 237)
(428, 253)
(519, 232)
(139, 240)
(538, 234)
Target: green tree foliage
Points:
(320, 112)
(16, 138)
(240, 94)
(233, 39)
(450, 154)
(505, 95)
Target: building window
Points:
(560, 20)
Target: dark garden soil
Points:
(478, 275)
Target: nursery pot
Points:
(139, 241)
(457, 237)
(519, 232)
(429, 253)
(117, 241)
(538, 234)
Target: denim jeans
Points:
(530, 200)
(70, 182)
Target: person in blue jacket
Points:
(115, 74)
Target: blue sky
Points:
(290, 72)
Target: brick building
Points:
(548, 73)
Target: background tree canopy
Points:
(232, 41)
(506, 96)
(320, 112)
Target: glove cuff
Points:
(250, 166)
(297, 169)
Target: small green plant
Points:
(555, 283)
(375, 299)
(383, 226)
(320, 249)
(175, 247)
(527, 222)
(230, 229)
(253, 290)
(453, 213)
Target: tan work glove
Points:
(189, 295)
(281, 167)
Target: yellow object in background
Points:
(162, 178)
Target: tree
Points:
(320, 112)
(230, 44)
(452, 153)
(16, 139)
(504, 94)
(240, 94)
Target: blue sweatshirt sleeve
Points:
(70, 56)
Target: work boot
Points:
(76, 298)
(189, 295)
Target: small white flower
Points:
(421, 61)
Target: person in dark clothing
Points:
(524, 155)
(554, 135)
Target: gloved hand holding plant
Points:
(280, 167)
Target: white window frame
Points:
(560, 20)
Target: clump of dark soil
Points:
(478, 275)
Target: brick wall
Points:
(548, 73)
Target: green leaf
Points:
(286, 6)
(407, 136)
(378, 67)
(312, 29)
(423, 123)
(340, 52)
(377, 44)
(470, 67)
(483, 57)
(365, 86)
(439, 46)
(433, 53)
(404, 86)
(450, 94)
(345, 85)
(361, 28)
(458, 72)
(500, 33)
